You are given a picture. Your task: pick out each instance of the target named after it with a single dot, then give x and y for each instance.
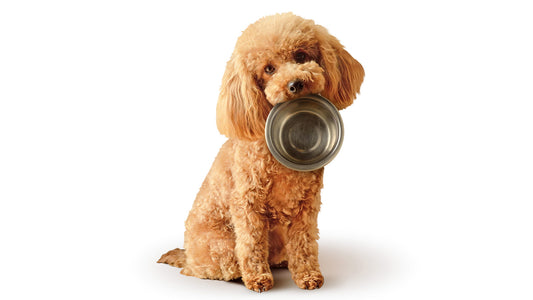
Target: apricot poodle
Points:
(252, 213)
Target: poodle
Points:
(251, 212)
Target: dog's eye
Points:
(270, 69)
(300, 57)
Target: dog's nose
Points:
(295, 86)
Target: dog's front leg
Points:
(251, 234)
(302, 250)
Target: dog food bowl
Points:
(304, 134)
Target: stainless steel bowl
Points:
(304, 134)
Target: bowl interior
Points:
(305, 133)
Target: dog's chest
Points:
(285, 192)
(291, 191)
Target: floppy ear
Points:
(344, 75)
(241, 108)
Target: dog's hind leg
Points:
(211, 255)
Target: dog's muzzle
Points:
(295, 80)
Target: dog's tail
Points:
(174, 258)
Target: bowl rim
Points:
(311, 166)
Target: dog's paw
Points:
(309, 280)
(259, 283)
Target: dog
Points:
(251, 212)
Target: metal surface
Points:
(304, 134)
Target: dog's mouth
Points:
(289, 94)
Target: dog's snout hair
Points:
(309, 76)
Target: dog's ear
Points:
(241, 108)
(344, 75)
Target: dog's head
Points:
(277, 59)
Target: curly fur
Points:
(252, 213)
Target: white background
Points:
(107, 129)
